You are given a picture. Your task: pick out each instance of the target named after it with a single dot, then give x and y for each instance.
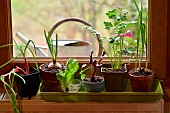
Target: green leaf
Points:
(108, 25)
(56, 46)
(60, 75)
(83, 76)
(131, 49)
(72, 65)
(68, 75)
(111, 14)
(130, 41)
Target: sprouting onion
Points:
(53, 52)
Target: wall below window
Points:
(39, 106)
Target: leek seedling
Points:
(53, 51)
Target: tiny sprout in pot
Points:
(53, 52)
(92, 83)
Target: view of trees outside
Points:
(31, 17)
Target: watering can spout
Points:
(25, 40)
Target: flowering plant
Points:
(119, 27)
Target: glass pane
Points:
(31, 17)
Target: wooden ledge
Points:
(38, 105)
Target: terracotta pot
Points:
(49, 80)
(94, 86)
(32, 82)
(114, 80)
(141, 83)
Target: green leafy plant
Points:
(65, 77)
(119, 28)
(53, 51)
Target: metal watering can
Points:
(66, 47)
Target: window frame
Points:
(158, 28)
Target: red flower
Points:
(128, 34)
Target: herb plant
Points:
(53, 51)
(119, 28)
(65, 77)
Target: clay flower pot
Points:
(114, 80)
(141, 83)
(49, 79)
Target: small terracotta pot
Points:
(141, 83)
(114, 80)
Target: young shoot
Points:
(141, 34)
(9, 89)
(22, 50)
(53, 51)
(92, 66)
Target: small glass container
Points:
(74, 86)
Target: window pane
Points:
(30, 18)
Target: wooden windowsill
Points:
(38, 105)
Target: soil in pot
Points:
(32, 82)
(49, 80)
(141, 80)
(114, 79)
(97, 85)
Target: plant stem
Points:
(94, 71)
(26, 66)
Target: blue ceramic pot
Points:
(93, 86)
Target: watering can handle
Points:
(80, 21)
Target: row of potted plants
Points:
(58, 77)
(140, 77)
